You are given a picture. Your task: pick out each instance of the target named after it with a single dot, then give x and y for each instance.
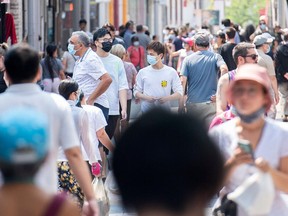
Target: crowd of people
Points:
(227, 86)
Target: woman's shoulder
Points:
(274, 125)
(227, 128)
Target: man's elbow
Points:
(106, 79)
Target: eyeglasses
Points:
(251, 91)
(253, 56)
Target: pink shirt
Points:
(223, 117)
(136, 55)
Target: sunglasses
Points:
(253, 56)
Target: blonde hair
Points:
(118, 50)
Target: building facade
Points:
(40, 22)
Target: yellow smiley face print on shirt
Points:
(164, 83)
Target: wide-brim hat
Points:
(252, 72)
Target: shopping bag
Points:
(101, 196)
(256, 194)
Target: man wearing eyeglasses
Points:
(242, 53)
(263, 43)
(89, 71)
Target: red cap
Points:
(189, 41)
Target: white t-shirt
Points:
(61, 126)
(70, 62)
(272, 147)
(96, 122)
(157, 83)
(87, 71)
(81, 121)
(116, 70)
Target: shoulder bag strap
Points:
(55, 205)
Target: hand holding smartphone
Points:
(245, 146)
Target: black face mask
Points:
(106, 46)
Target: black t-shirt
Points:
(3, 85)
(226, 53)
(178, 43)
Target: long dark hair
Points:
(50, 49)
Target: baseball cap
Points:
(23, 135)
(202, 38)
(189, 41)
(263, 38)
(252, 72)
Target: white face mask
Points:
(136, 43)
(268, 49)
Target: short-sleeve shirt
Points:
(62, 132)
(226, 53)
(130, 73)
(81, 121)
(70, 61)
(56, 67)
(144, 39)
(97, 121)
(157, 83)
(114, 66)
(225, 136)
(87, 72)
(267, 62)
(201, 69)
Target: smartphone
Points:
(246, 147)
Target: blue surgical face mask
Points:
(263, 26)
(152, 60)
(71, 49)
(252, 117)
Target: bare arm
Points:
(62, 75)
(221, 100)
(105, 82)
(123, 102)
(275, 88)
(104, 139)
(142, 96)
(279, 176)
(223, 69)
(174, 96)
(181, 99)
